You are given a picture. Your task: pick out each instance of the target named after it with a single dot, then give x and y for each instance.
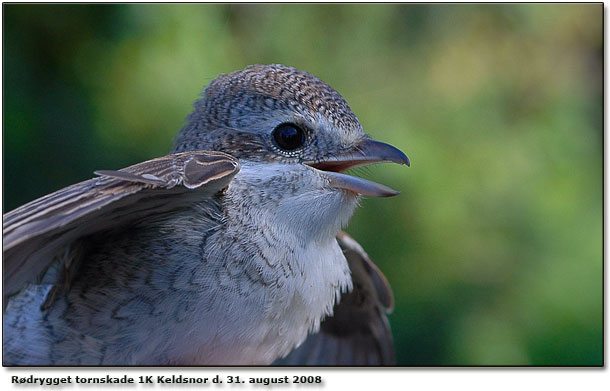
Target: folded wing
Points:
(358, 333)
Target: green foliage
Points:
(495, 247)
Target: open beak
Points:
(367, 152)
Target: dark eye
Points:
(289, 137)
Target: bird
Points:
(227, 251)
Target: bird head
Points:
(278, 114)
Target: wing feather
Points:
(34, 233)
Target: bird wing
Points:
(358, 333)
(35, 233)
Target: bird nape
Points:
(228, 251)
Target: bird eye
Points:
(289, 136)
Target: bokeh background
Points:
(494, 249)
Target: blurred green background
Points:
(494, 249)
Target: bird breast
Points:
(280, 255)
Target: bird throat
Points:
(289, 261)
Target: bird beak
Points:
(367, 152)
